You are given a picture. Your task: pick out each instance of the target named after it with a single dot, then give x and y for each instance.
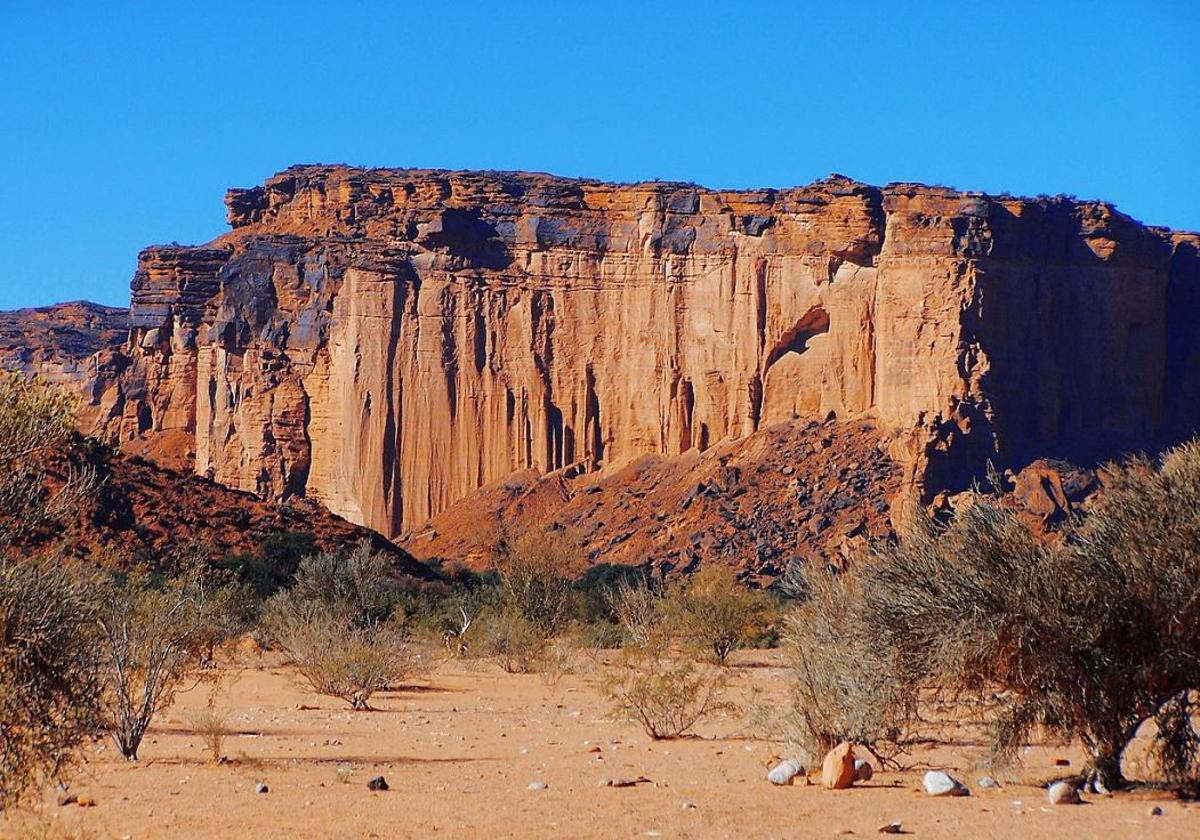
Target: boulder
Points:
(377, 783)
(837, 771)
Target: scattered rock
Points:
(863, 771)
(1063, 793)
(784, 772)
(837, 771)
(539, 785)
(66, 799)
(1156, 811)
(261, 787)
(640, 780)
(988, 783)
(688, 806)
(85, 802)
(939, 783)
(893, 827)
(377, 783)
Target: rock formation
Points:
(388, 341)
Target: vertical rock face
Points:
(387, 341)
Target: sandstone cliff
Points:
(387, 341)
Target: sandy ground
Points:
(461, 749)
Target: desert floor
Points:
(461, 748)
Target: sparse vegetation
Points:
(716, 612)
(667, 694)
(212, 725)
(152, 635)
(340, 627)
(1090, 636)
(50, 685)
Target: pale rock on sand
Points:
(939, 783)
(783, 772)
(1063, 793)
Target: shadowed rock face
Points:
(388, 341)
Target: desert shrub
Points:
(272, 566)
(516, 643)
(716, 612)
(212, 725)
(153, 632)
(50, 686)
(341, 655)
(638, 608)
(337, 625)
(360, 582)
(845, 684)
(534, 572)
(1089, 637)
(663, 692)
(37, 427)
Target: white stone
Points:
(1063, 793)
(782, 773)
(939, 783)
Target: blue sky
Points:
(122, 124)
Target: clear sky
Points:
(121, 124)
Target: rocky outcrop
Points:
(791, 490)
(387, 341)
(59, 342)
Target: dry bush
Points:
(336, 625)
(1089, 637)
(638, 608)
(534, 573)
(50, 686)
(665, 693)
(152, 635)
(341, 655)
(37, 427)
(846, 686)
(359, 582)
(716, 612)
(212, 725)
(515, 642)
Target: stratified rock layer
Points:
(387, 341)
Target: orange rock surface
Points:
(388, 341)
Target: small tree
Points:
(49, 670)
(716, 611)
(846, 685)
(1090, 636)
(151, 635)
